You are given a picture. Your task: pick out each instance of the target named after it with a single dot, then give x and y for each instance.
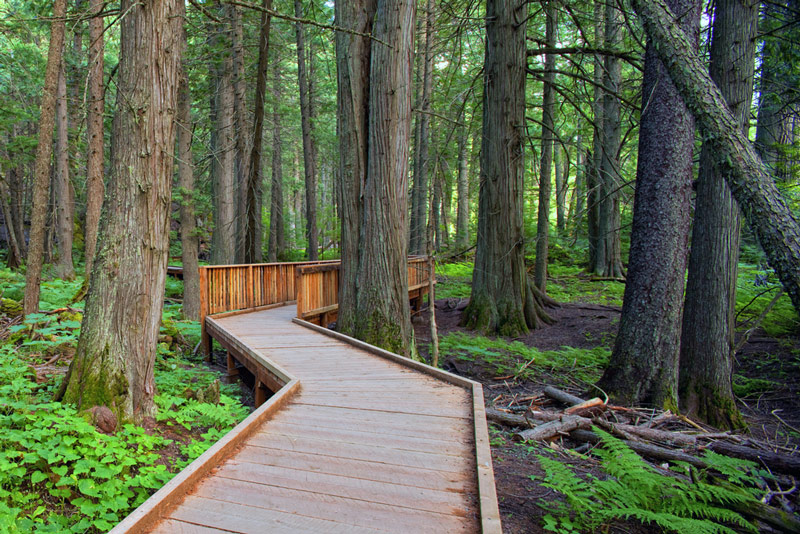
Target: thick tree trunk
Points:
(223, 169)
(502, 299)
(190, 241)
(352, 65)
(735, 159)
(706, 361)
(546, 165)
(277, 234)
(95, 188)
(113, 365)
(309, 150)
(420, 199)
(44, 151)
(644, 364)
(462, 215)
(254, 183)
(64, 194)
(383, 316)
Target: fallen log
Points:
(775, 462)
(586, 406)
(507, 419)
(644, 449)
(562, 396)
(563, 425)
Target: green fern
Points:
(635, 490)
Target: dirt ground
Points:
(773, 415)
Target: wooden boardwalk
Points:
(356, 440)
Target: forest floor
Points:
(766, 383)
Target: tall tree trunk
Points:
(241, 156)
(502, 299)
(462, 215)
(352, 66)
(594, 178)
(277, 234)
(735, 159)
(95, 188)
(64, 194)
(422, 159)
(17, 205)
(309, 150)
(383, 316)
(14, 257)
(223, 243)
(609, 261)
(254, 184)
(644, 364)
(562, 175)
(190, 241)
(113, 365)
(44, 151)
(778, 100)
(707, 339)
(546, 165)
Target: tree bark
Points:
(751, 184)
(95, 187)
(64, 194)
(353, 53)
(223, 171)
(778, 102)
(277, 234)
(190, 241)
(562, 176)
(254, 184)
(644, 363)
(383, 315)
(462, 215)
(309, 150)
(420, 200)
(14, 256)
(44, 151)
(241, 156)
(502, 299)
(609, 256)
(707, 339)
(593, 176)
(113, 364)
(546, 165)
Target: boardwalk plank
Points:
(250, 520)
(376, 471)
(329, 507)
(415, 498)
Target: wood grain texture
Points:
(366, 443)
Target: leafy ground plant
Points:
(60, 474)
(513, 358)
(632, 489)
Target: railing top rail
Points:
(228, 266)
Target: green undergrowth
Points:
(571, 283)
(58, 473)
(453, 280)
(684, 500)
(502, 358)
(756, 287)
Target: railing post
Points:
(250, 289)
(205, 339)
(298, 276)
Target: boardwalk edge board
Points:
(170, 495)
(489, 509)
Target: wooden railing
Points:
(318, 289)
(228, 288)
